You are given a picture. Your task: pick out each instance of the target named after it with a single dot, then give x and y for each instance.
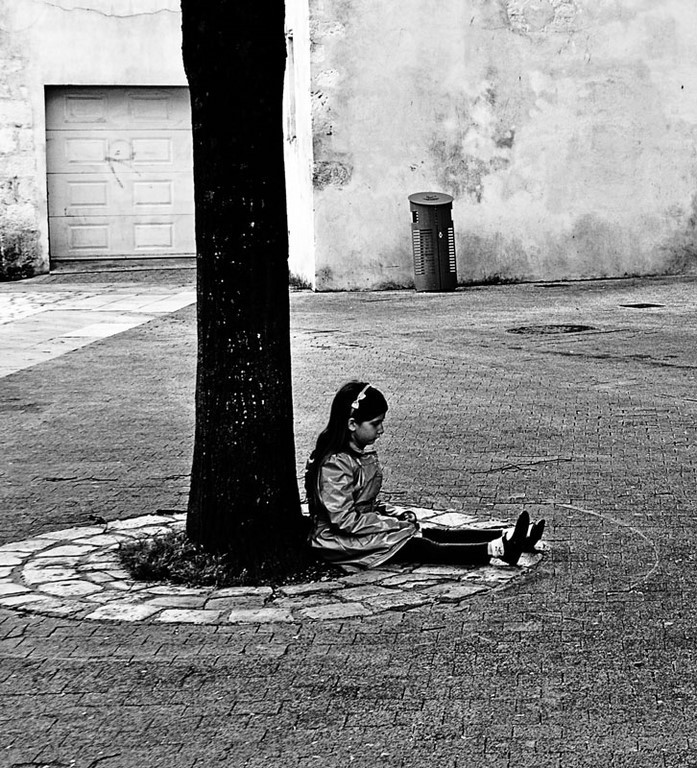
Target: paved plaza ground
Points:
(586, 659)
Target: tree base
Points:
(174, 558)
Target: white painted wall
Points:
(565, 130)
(298, 143)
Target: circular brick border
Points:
(76, 573)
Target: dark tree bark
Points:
(244, 493)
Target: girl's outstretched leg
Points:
(507, 547)
(423, 550)
(462, 535)
(478, 535)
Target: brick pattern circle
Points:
(76, 573)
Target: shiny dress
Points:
(350, 528)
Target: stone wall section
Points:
(20, 250)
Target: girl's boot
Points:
(509, 547)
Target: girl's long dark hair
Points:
(335, 436)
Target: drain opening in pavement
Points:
(549, 329)
(641, 306)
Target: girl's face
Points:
(363, 433)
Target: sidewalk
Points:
(584, 660)
(47, 317)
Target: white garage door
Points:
(120, 179)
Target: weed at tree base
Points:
(173, 557)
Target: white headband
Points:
(355, 405)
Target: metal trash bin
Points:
(433, 240)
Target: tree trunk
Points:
(244, 493)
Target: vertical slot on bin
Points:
(452, 260)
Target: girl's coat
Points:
(349, 527)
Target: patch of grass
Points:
(298, 282)
(174, 558)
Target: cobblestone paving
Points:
(588, 660)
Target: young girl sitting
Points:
(352, 529)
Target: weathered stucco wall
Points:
(20, 236)
(566, 130)
(66, 42)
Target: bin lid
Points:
(430, 198)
